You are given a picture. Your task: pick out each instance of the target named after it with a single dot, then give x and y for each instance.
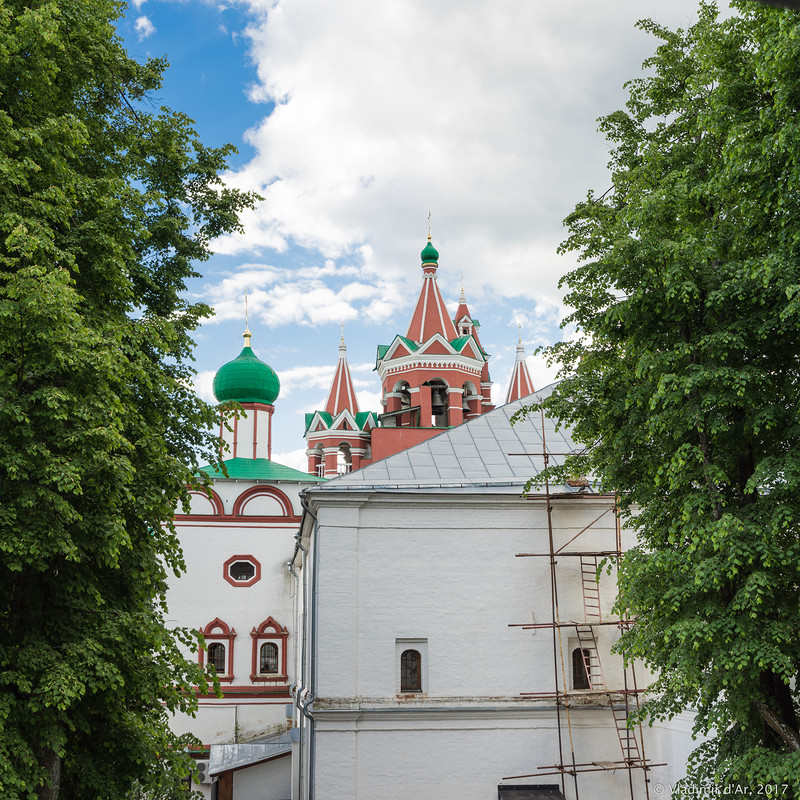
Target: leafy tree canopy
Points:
(105, 204)
(683, 380)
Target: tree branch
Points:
(786, 732)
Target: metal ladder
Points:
(594, 670)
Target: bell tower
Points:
(338, 438)
(434, 377)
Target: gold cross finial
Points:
(246, 333)
(342, 331)
(519, 325)
(429, 224)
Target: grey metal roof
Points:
(487, 451)
(224, 757)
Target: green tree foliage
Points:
(683, 381)
(105, 204)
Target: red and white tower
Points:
(434, 377)
(339, 437)
(521, 384)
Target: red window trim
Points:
(269, 631)
(232, 560)
(226, 635)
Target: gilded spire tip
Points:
(246, 335)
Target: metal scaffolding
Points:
(621, 701)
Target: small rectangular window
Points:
(581, 664)
(410, 671)
(411, 664)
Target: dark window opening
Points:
(242, 570)
(216, 657)
(268, 659)
(532, 791)
(580, 669)
(410, 671)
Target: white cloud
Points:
(203, 385)
(309, 296)
(484, 112)
(369, 401)
(297, 459)
(144, 27)
(307, 377)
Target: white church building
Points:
(418, 626)
(436, 660)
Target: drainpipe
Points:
(297, 687)
(306, 707)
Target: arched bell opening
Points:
(344, 459)
(440, 402)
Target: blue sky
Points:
(356, 118)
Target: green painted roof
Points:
(258, 469)
(246, 379)
(459, 343)
(362, 417)
(326, 418)
(429, 254)
(383, 348)
(412, 345)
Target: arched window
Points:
(410, 671)
(268, 659)
(344, 459)
(319, 461)
(270, 652)
(220, 640)
(216, 657)
(580, 668)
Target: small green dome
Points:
(429, 254)
(246, 379)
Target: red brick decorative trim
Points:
(210, 495)
(226, 570)
(269, 631)
(258, 491)
(188, 519)
(269, 694)
(218, 631)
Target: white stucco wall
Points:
(202, 594)
(449, 574)
(271, 780)
(443, 570)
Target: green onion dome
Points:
(429, 254)
(246, 379)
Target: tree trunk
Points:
(51, 761)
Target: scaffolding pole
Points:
(622, 702)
